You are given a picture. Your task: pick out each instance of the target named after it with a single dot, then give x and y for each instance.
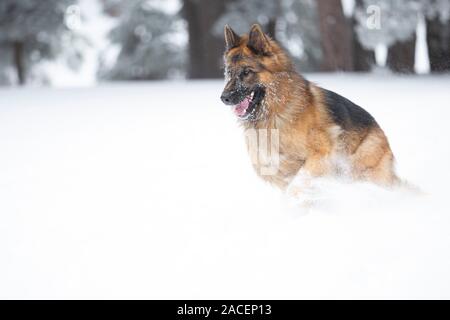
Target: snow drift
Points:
(146, 191)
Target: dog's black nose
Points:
(226, 98)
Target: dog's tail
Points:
(409, 187)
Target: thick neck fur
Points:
(287, 97)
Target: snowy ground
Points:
(146, 191)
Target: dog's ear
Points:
(258, 41)
(231, 38)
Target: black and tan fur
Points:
(316, 126)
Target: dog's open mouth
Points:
(248, 106)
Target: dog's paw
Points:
(305, 193)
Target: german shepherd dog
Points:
(318, 130)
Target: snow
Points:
(348, 6)
(146, 191)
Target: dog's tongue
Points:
(241, 108)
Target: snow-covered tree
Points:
(148, 42)
(113, 7)
(299, 32)
(437, 15)
(241, 14)
(292, 22)
(33, 31)
(436, 8)
(391, 24)
(386, 22)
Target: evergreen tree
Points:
(299, 32)
(241, 14)
(363, 58)
(437, 14)
(292, 23)
(392, 24)
(31, 32)
(146, 38)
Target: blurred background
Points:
(120, 177)
(81, 42)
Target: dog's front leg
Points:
(302, 185)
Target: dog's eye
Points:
(246, 72)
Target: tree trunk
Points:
(363, 59)
(438, 41)
(18, 61)
(205, 50)
(401, 56)
(271, 27)
(336, 36)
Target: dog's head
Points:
(252, 62)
